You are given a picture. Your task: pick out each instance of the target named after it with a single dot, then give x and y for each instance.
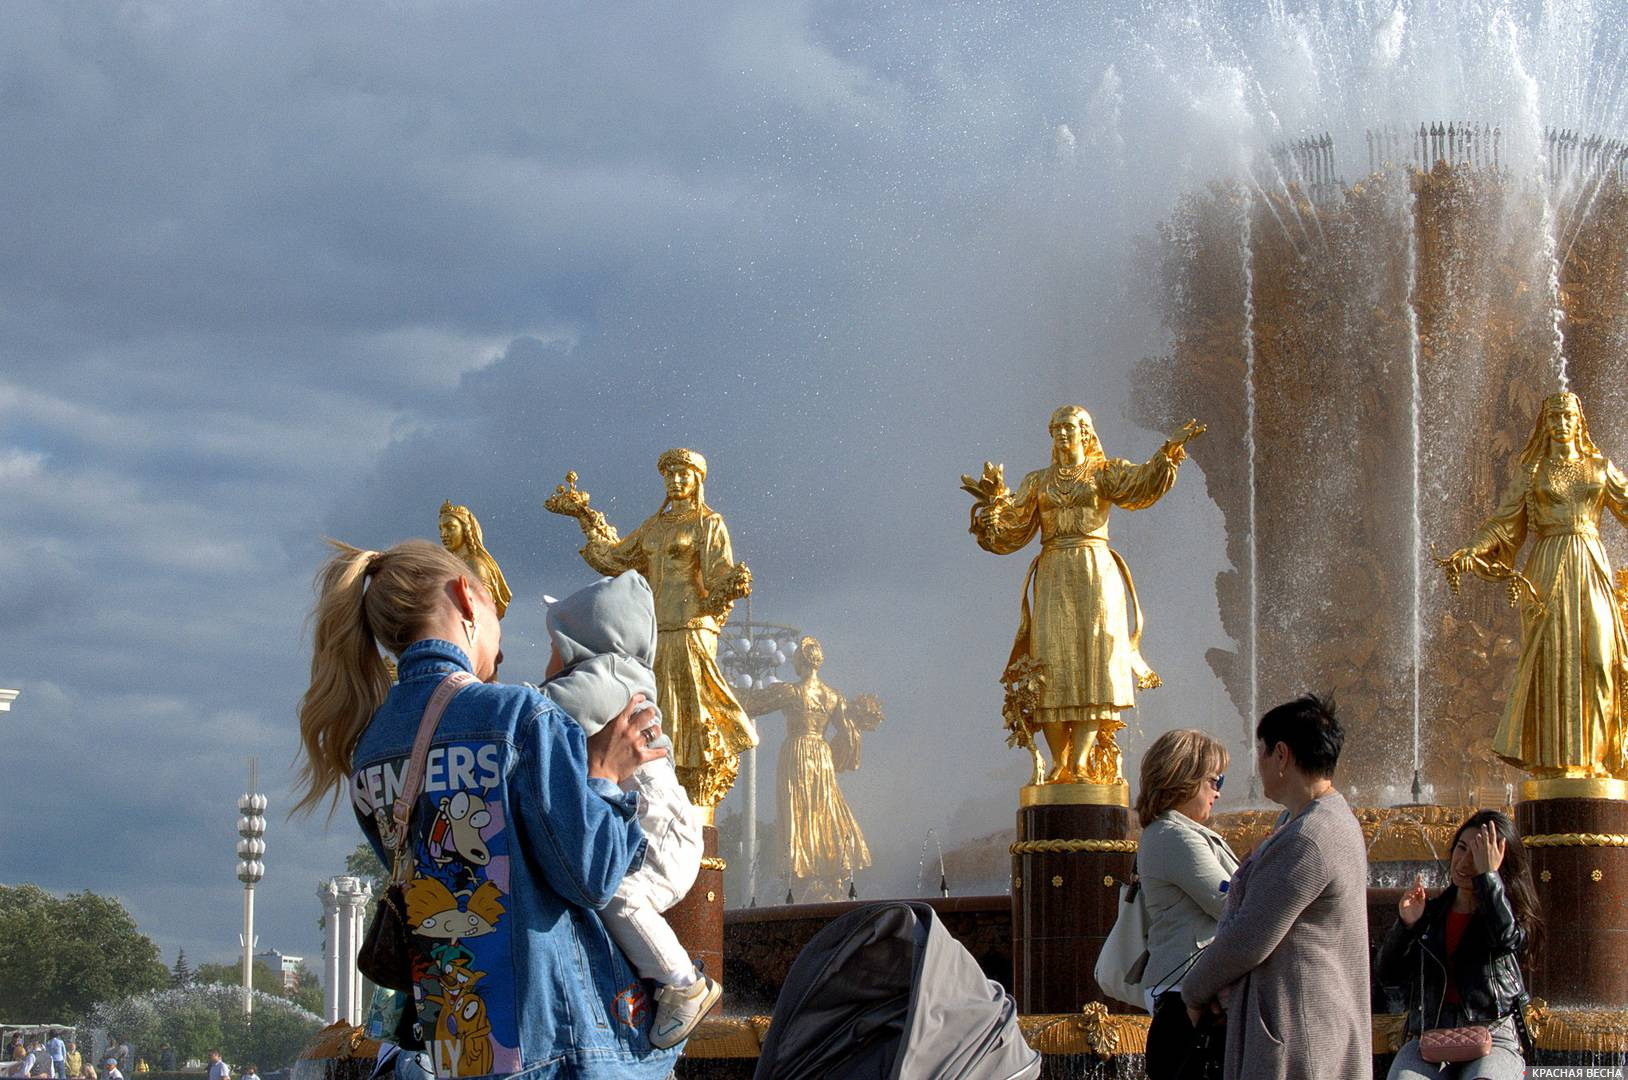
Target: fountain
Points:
(1389, 331)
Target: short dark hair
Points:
(1308, 727)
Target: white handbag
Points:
(1124, 955)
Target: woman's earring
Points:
(470, 631)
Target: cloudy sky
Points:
(275, 271)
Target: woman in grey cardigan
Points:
(1290, 958)
(1185, 869)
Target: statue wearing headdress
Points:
(683, 550)
(824, 729)
(1565, 712)
(1076, 662)
(461, 535)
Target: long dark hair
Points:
(1516, 872)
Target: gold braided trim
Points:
(1576, 839)
(712, 862)
(1093, 1031)
(1070, 847)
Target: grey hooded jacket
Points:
(606, 635)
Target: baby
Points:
(604, 645)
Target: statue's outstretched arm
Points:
(1135, 487)
(605, 550)
(763, 700)
(1003, 521)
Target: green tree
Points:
(306, 993)
(60, 955)
(204, 1016)
(265, 979)
(181, 974)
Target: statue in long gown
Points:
(1076, 663)
(683, 551)
(461, 535)
(1564, 716)
(823, 842)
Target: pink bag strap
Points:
(413, 782)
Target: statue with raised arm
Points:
(823, 841)
(1565, 712)
(683, 551)
(1076, 662)
(461, 535)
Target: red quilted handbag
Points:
(1453, 1046)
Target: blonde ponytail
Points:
(366, 600)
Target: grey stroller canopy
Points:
(886, 992)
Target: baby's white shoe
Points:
(680, 1008)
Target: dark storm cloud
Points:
(275, 271)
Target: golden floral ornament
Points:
(1101, 1033)
(1596, 876)
(1057, 881)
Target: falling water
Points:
(1247, 255)
(921, 867)
(1415, 404)
(1551, 257)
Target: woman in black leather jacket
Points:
(1460, 954)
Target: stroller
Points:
(887, 992)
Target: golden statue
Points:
(1076, 664)
(823, 842)
(683, 550)
(461, 535)
(1564, 716)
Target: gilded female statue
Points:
(683, 551)
(1564, 716)
(461, 535)
(1076, 664)
(823, 841)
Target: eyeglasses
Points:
(1216, 781)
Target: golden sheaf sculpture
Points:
(1076, 662)
(461, 535)
(683, 550)
(1567, 698)
(823, 842)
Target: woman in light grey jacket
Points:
(1185, 869)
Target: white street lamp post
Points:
(251, 850)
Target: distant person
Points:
(1289, 962)
(1460, 953)
(1185, 869)
(110, 1069)
(57, 1051)
(250, 1072)
(218, 1069)
(166, 1057)
(75, 1061)
(88, 1072)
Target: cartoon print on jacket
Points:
(457, 905)
(434, 911)
(463, 1034)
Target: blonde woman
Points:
(1185, 868)
(519, 835)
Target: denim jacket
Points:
(516, 849)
